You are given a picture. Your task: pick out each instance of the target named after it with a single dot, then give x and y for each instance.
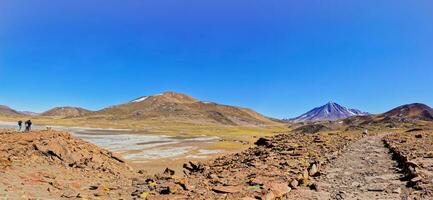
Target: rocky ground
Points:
(365, 170)
(270, 170)
(54, 165)
(323, 165)
(414, 152)
(339, 165)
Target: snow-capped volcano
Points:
(331, 111)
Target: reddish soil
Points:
(54, 165)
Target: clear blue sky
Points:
(280, 58)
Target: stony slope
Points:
(405, 115)
(414, 151)
(54, 165)
(176, 107)
(323, 165)
(269, 170)
(410, 111)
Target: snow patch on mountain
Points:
(328, 112)
(140, 99)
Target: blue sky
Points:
(280, 58)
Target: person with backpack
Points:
(20, 125)
(28, 125)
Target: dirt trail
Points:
(365, 170)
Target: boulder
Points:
(263, 142)
(294, 184)
(280, 189)
(269, 196)
(70, 194)
(314, 186)
(169, 188)
(313, 170)
(169, 172)
(58, 149)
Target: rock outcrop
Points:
(55, 165)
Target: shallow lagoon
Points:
(138, 146)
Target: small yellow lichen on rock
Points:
(152, 184)
(144, 195)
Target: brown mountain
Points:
(4, 110)
(66, 112)
(176, 107)
(410, 111)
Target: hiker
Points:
(20, 125)
(28, 125)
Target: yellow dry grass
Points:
(157, 127)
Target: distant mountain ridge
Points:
(66, 112)
(172, 107)
(177, 107)
(5, 110)
(328, 112)
(411, 111)
(408, 113)
(167, 107)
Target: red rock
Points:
(294, 184)
(226, 189)
(269, 196)
(280, 189)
